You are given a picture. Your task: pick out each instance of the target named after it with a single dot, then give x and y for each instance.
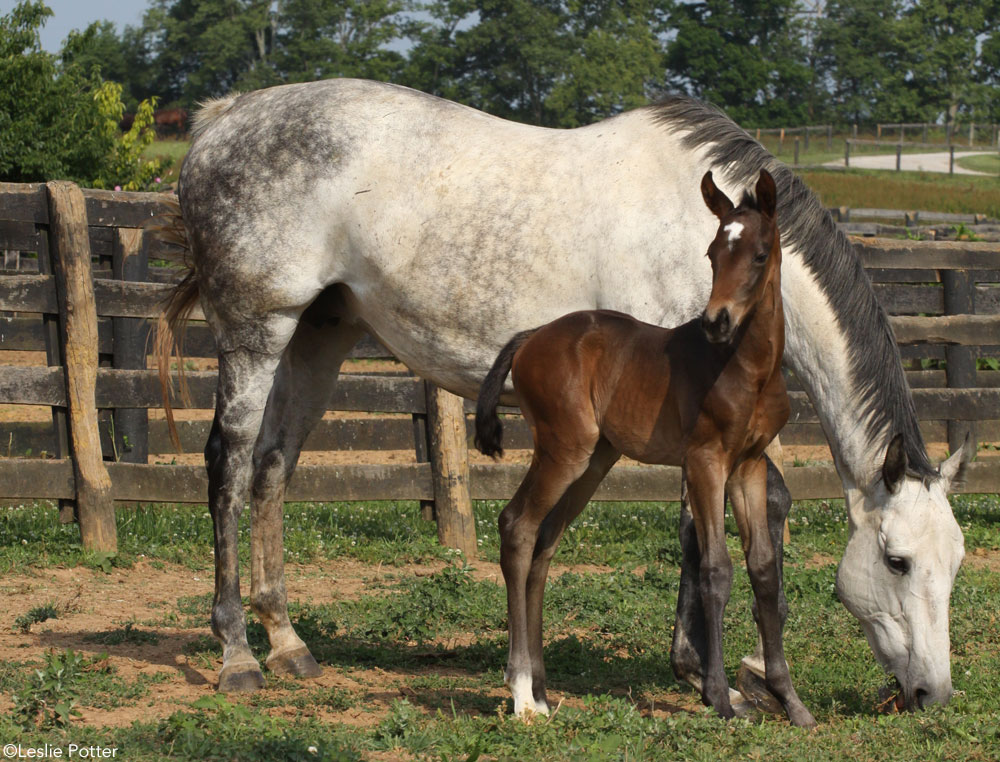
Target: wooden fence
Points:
(944, 298)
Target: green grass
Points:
(172, 153)
(885, 189)
(440, 643)
(985, 162)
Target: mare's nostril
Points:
(921, 695)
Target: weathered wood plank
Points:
(189, 484)
(24, 201)
(18, 235)
(28, 293)
(966, 330)
(932, 255)
(35, 479)
(70, 251)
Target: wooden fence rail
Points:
(944, 299)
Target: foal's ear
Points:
(715, 199)
(894, 467)
(767, 194)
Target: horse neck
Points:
(820, 354)
(762, 342)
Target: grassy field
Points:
(986, 162)
(886, 189)
(413, 644)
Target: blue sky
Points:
(78, 14)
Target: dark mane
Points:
(875, 361)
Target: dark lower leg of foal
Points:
(748, 494)
(551, 531)
(519, 524)
(706, 489)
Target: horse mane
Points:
(807, 226)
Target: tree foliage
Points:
(60, 120)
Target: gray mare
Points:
(316, 212)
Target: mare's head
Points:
(745, 255)
(898, 570)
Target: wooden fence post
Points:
(847, 154)
(829, 137)
(70, 247)
(899, 156)
(449, 452)
(420, 450)
(951, 159)
(55, 357)
(796, 160)
(131, 425)
(960, 361)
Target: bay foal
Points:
(708, 396)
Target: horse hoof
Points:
(801, 717)
(741, 707)
(298, 662)
(240, 678)
(755, 691)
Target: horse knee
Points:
(270, 474)
(779, 499)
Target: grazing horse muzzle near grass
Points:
(708, 395)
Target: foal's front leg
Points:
(748, 493)
(706, 490)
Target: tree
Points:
(864, 54)
(943, 36)
(61, 122)
(746, 56)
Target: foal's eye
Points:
(760, 258)
(898, 564)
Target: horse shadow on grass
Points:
(149, 646)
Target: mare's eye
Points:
(760, 258)
(898, 564)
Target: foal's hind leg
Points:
(551, 531)
(519, 523)
(751, 676)
(706, 488)
(687, 652)
(301, 391)
(246, 371)
(748, 493)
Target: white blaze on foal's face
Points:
(734, 229)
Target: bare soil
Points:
(91, 602)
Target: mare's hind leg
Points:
(302, 389)
(519, 523)
(751, 676)
(748, 492)
(551, 531)
(687, 652)
(247, 362)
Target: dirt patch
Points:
(983, 558)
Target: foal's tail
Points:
(169, 229)
(489, 430)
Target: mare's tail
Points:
(169, 229)
(489, 430)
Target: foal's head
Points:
(745, 255)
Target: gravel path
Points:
(912, 162)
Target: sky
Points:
(78, 14)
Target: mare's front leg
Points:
(519, 523)
(245, 379)
(706, 479)
(302, 389)
(748, 493)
